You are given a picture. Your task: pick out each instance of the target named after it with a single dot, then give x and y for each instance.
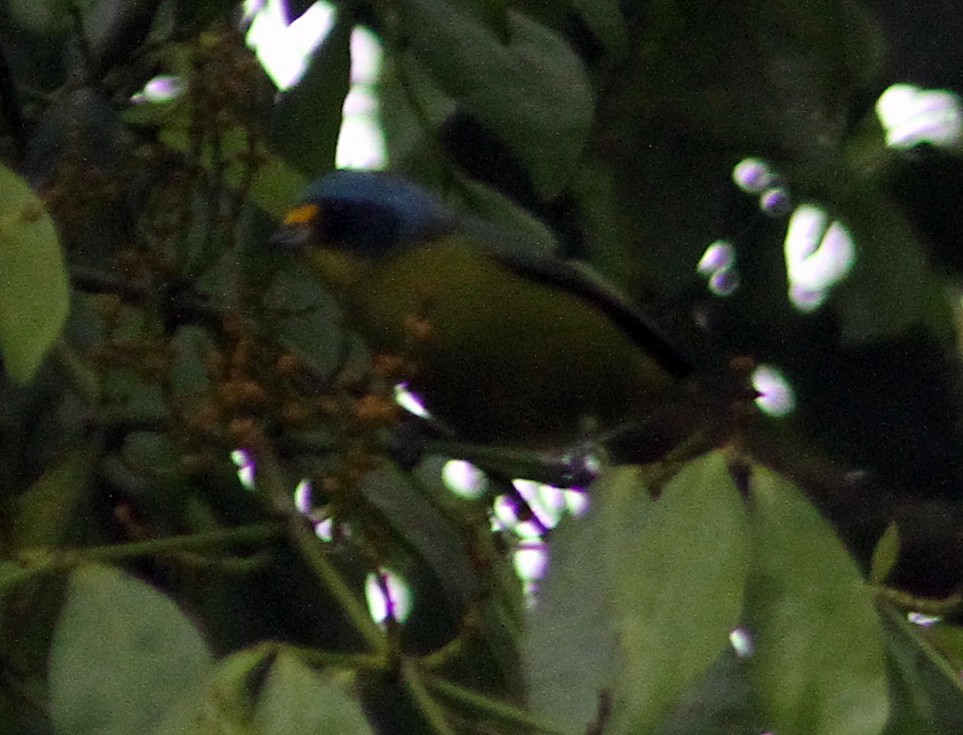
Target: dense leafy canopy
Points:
(754, 578)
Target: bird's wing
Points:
(582, 281)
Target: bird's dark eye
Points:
(362, 227)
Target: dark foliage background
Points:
(147, 334)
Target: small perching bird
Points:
(508, 347)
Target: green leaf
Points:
(34, 293)
(276, 185)
(46, 510)
(224, 702)
(570, 650)
(413, 107)
(927, 698)
(818, 667)
(948, 640)
(241, 696)
(681, 593)
(296, 700)
(640, 597)
(885, 554)
(122, 654)
(720, 703)
(307, 119)
(531, 90)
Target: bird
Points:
(509, 346)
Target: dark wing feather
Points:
(583, 282)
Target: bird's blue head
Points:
(366, 213)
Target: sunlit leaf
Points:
(34, 295)
(122, 654)
(571, 646)
(885, 554)
(243, 695)
(640, 597)
(297, 700)
(681, 591)
(223, 702)
(818, 667)
(948, 640)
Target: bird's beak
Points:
(297, 228)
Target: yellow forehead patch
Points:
(302, 214)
